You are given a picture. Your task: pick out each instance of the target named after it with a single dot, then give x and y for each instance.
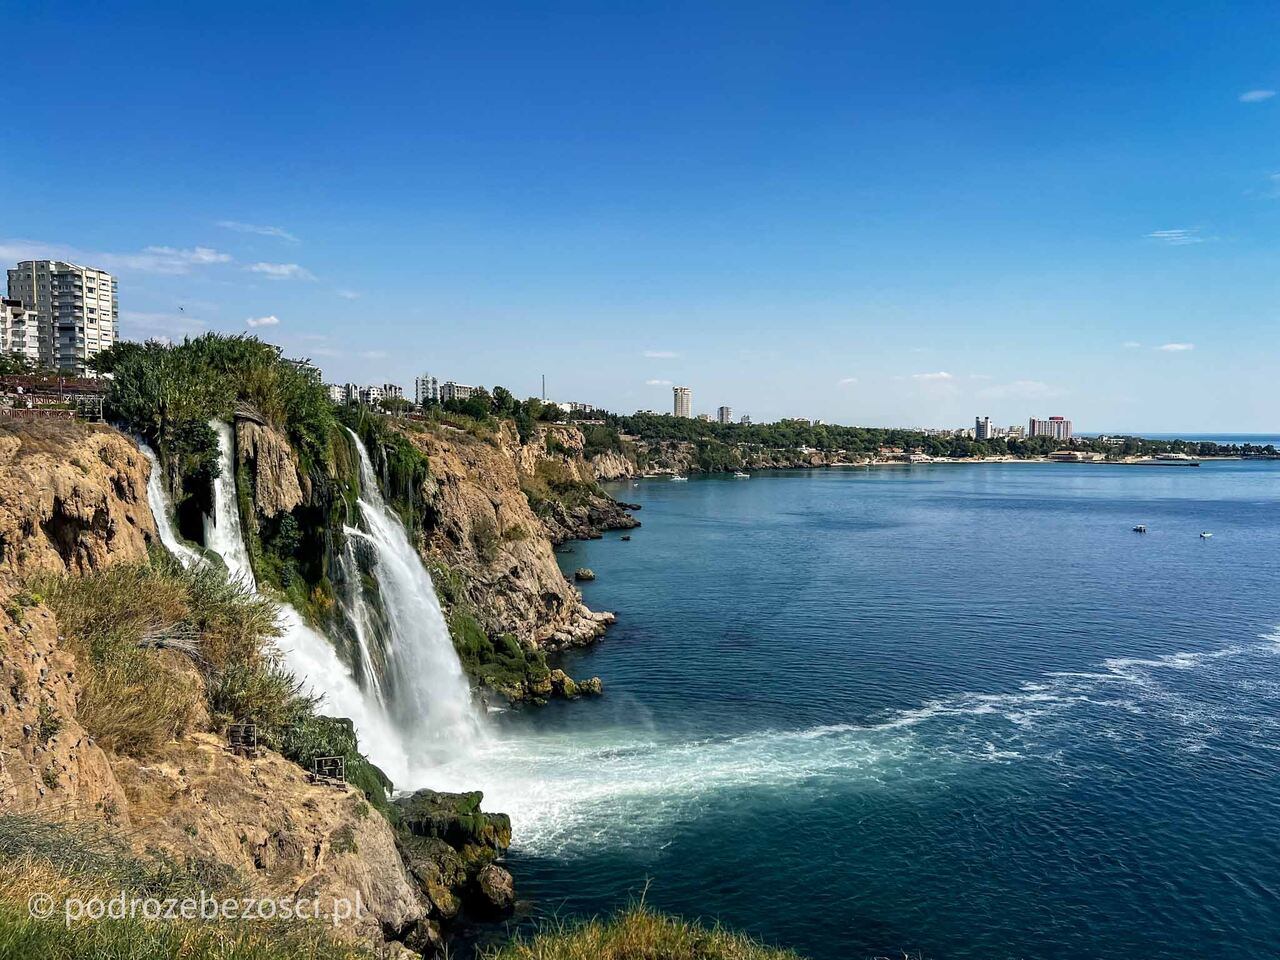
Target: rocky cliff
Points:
(74, 502)
(72, 498)
(481, 527)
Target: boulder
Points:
(584, 573)
(563, 685)
(493, 893)
(456, 819)
(592, 687)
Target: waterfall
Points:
(428, 692)
(307, 654)
(158, 500)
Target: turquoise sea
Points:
(960, 710)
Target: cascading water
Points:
(428, 692)
(159, 503)
(308, 654)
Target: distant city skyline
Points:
(852, 214)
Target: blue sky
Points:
(876, 213)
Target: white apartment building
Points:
(77, 310)
(19, 330)
(455, 391)
(1059, 428)
(371, 395)
(426, 389)
(724, 415)
(337, 392)
(982, 429)
(745, 420)
(392, 391)
(683, 398)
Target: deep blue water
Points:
(961, 710)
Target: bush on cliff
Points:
(639, 934)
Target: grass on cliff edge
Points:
(639, 933)
(80, 862)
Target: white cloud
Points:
(1019, 389)
(1256, 96)
(282, 271)
(1131, 344)
(166, 260)
(260, 230)
(1177, 238)
(1176, 347)
(846, 381)
(657, 383)
(940, 375)
(661, 354)
(269, 321)
(348, 294)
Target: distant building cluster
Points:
(682, 406)
(59, 315)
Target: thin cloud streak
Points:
(1176, 347)
(261, 230)
(282, 271)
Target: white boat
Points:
(1205, 535)
(741, 476)
(679, 479)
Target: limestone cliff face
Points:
(264, 818)
(270, 460)
(47, 761)
(72, 498)
(612, 466)
(480, 526)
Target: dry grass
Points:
(77, 862)
(152, 640)
(50, 437)
(639, 934)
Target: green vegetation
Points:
(638, 934)
(554, 483)
(719, 443)
(168, 393)
(79, 862)
(402, 467)
(156, 642)
(501, 663)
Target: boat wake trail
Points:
(569, 792)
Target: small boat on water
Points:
(1140, 528)
(679, 479)
(741, 476)
(1205, 535)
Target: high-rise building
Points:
(1059, 428)
(426, 389)
(746, 420)
(393, 391)
(76, 308)
(19, 334)
(683, 401)
(982, 429)
(724, 415)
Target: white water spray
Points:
(309, 655)
(428, 692)
(159, 503)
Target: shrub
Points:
(638, 934)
